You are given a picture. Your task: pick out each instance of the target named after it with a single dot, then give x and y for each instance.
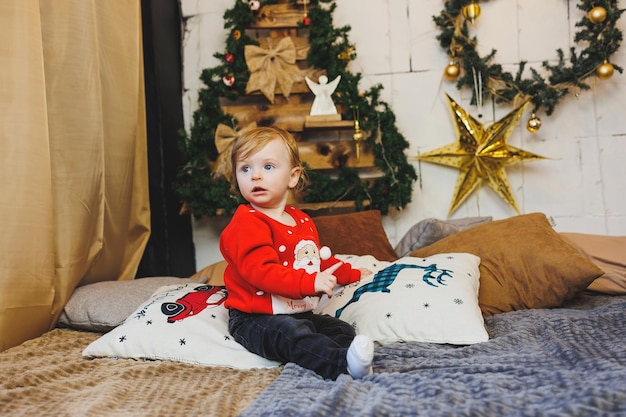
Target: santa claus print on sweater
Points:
(272, 266)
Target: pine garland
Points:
(204, 194)
(602, 40)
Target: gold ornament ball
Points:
(533, 124)
(452, 71)
(471, 12)
(605, 71)
(597, 14)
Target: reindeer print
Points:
(385, 277)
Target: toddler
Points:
(275, 273)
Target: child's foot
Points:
(360, 356)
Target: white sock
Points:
(360, 356)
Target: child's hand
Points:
(325, 281)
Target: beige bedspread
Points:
(48, 376)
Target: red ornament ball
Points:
(228, 80)
(306, 21)
(229, 58)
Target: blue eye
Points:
(245, 169)
(268, 167)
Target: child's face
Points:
(265, 177)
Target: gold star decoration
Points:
(481, 154)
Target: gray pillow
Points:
(428, 231)
(102, 306)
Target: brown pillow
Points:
(359, 233)
(524, 263)
(609, 254)
(212, 274)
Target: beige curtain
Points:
(74, 203)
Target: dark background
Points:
(170, 250)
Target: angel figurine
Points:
(323, 103)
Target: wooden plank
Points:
(289, 117)
(327, 122)
(330, 155)
(289, 113)
(282, 15)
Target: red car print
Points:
(193, 303)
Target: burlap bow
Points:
(270, 66)
(224, 138)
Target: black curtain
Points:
(170, 250)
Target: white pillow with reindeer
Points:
(432, 300)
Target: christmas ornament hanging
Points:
(481, 154)
(533, 124)
(228, 80)
(255, 5)
(358, 137)
(597, 14)
(452, 71)
(305, 16)
(605, 71)
(347, 54)
(471, 12)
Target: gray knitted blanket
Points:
(569, 361)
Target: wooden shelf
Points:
(327, 122)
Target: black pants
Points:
(313, 341)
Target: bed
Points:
(482, 318)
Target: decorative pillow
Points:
(360, 233)
(102, 306)
(428, 231)
(609, 254)
(182, 323)
(524, 263)
(432, 299)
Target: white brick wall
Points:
(581, 187)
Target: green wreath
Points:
(597, 30)
(205, 194)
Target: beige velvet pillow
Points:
(524, 263)
(428, 231)
(609, 254)
(359, 233)
(212, 274)
(102, 306)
